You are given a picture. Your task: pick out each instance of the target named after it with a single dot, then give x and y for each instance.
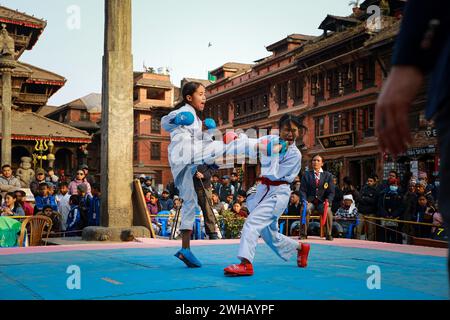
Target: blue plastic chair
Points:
(163, 221)
(351, 228)
(282, 226)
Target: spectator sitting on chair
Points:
(237, 210)
(74, 224)
(346, 214)
(317, 188)
(54, 216)
(11, 206)
(294, 209)
(21, 199)
(153, 209)
(44, 198)
(165, 201)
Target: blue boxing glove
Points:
(210, 124)
(184, 119)
(274, 142)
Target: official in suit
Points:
(422, 48)
(317, 187)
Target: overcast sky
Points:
(169, 33)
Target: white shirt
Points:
(63, 207)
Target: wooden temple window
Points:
(319, 127)
(225, 117)
(366, 72)
(317, 87)
(156, 125)
(368, 123)
(297, 89)
(349, 78)
(156, 151)
(282, 95)
(156, 94)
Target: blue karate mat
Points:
(155, 274)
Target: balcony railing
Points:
(247, 118)
(33, 98)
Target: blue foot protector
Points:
(188, 258)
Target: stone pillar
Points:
(6, 116)
(117, 130)
(7, 64)
(117, 117)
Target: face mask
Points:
(393, 188)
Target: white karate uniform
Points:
(190, 147)
(266, 206)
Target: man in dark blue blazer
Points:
(317, 187)
(422, 48)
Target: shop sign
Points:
(413, 152)
(345, 139)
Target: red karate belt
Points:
(269, 182)
(325, 213)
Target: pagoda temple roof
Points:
(16, 17)
(42, 76)
(31, 126)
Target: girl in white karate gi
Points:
(189, 148)
(271, 199)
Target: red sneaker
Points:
(239, 270)
(302, 255)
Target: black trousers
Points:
(208, 213)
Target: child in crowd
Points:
(424, 213)
(96, 205)
(44, 198)
(173, 213)
(21, 199)
(238, 211)
(85, 204)
(62, 200)
(11, 207)
(54, 216)
(74, 224)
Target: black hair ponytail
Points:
(188, 89)
(287, 119)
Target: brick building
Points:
(332, 81)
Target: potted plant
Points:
(231, 224)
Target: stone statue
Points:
(6, 43)
(25, 173)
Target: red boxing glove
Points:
(229, 137)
